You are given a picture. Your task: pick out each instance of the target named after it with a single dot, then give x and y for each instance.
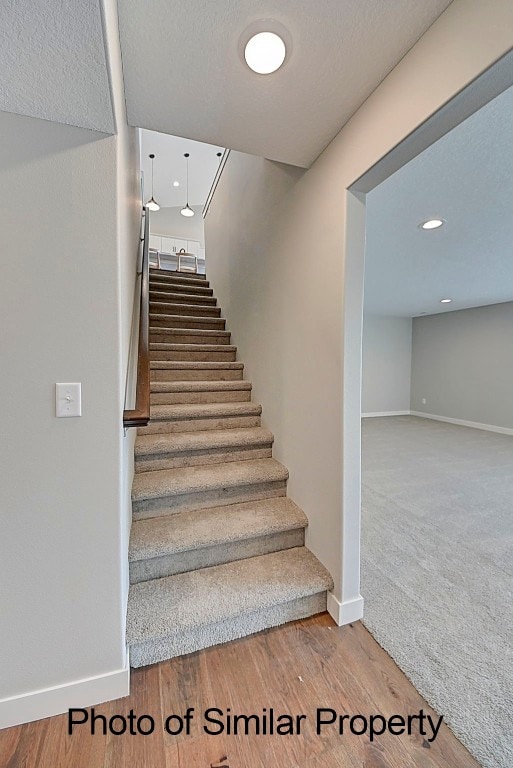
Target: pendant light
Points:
(152, 203)
(187, 210)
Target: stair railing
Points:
(139, 416)
(220, 169)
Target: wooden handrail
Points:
(140, 415)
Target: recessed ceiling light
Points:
(265, 53)
(432, 224)
(176, 183)
(445, 301)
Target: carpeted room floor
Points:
(437, 569)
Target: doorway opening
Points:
(437, 433)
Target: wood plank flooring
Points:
(294, 669)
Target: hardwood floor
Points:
(294, 669)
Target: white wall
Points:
(169, 221)
(462, 365)
(60, 555)
(386, 364)
(285, 271)
(69, 211)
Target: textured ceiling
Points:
(170, 166)
(184, 73)
(52, 60)
(465, 178)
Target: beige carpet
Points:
(437, 570)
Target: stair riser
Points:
(170, 277)
(198, 425)
(145, 508)
(180, 643)
(212, 374)
(192, 560)
(175, 323)
(166, 334)
(221, 356)
(181, 298)
(200, 458)
(180, 305)
(189, 398)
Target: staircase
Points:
(217, 549)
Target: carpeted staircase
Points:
(217, 549)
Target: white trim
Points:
(347, 612)
(463, 423)
(385, 413)
(47, 702)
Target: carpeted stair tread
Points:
(160, 296)
(175, 443)
(187, 480)
(194, 321)
(198, 365)
(186, 272)
(200, 386)
(177, 308)
(180, 287)
(165, 346)
(182, 411)
(178, 276)
(176, 604)
(215, 526)
(205, 333)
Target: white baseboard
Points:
(463, 423)
(385, 413)
(347, 612)
(47, 702)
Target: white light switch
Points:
(68, 400)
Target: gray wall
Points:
(462, 364)
(386, 363)
(285, 255)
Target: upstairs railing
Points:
(213, 188)
(140, 415)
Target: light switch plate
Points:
(68, 400)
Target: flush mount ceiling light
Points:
(187, 210)
(265, 52)
(432, 224)
(176, 183)
(152, 204)
(445, 301)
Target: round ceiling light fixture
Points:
(445, 301)
(176, 183)
(432, 224)
(265, 52)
